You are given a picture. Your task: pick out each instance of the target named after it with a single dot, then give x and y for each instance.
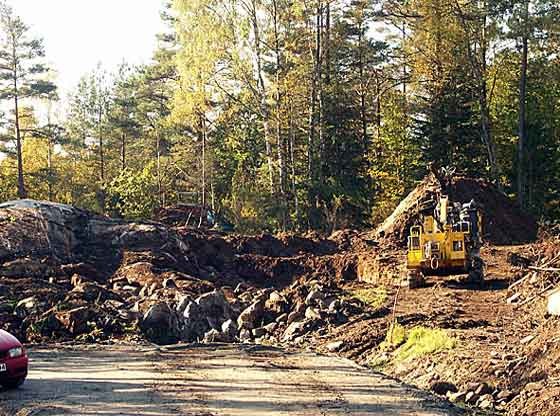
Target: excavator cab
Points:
(446, 241)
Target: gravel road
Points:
(207, 381)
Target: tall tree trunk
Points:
(522, 142)
(265, 113)
(203, 162)
(361, 72)
(49, 169)
(293, 162)
(320, 90)
(22, 192)
(280, 142)
(123, 151)
(102, 162)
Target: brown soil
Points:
(110, 272)
(503, 222)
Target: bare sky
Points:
(79, 34)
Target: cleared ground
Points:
(204, 381)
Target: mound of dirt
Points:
(503, 221)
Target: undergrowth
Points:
(405, 345)
(373, 297)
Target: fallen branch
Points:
(544, 269)
(532, 298)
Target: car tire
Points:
(14, 384)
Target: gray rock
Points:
(229, 329)
(505, 395)
(312, 314)
(215, 304)
(334, 346)
(160, 324)
(297, 329)
(458, 397)
(27, 306)
(259, 332)
(245, 335)
(248, 319)
(553, 306)
(298, 312)
(270, 328)
(485, 402)
(313, 296)
(214, 336)
(276, 303)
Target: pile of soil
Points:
(503, 221)
(70, 274)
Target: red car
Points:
(13, 361)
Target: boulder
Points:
(334, 346)
(195, 324)
(458, 397)
(485, 402)
(76, 321)
(297, 329)
(312, 314)
(443, 387)
(259, 332)
(213, 336)
(229, 329)
(553, 306)
(160, 324)
(245, 335)
(248, 319)
(314, 296)
(276, 303)
(298, 312)
(27, 307)
(214, 304)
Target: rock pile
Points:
(67, 273)
(247, 314)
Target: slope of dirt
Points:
(503, 221)
(512, 351)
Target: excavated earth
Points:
(70, 275)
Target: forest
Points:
(293, 114)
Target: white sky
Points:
(79, 34)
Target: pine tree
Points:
(22, 74)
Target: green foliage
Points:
(401, 345)
(396, 336)
(287, 115)
(422, 341)
(373, 297)
(133, 195)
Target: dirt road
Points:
(207, 381)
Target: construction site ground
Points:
(206, 381)
(70, 277)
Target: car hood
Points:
(8, 341)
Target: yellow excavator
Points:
(446, 240)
